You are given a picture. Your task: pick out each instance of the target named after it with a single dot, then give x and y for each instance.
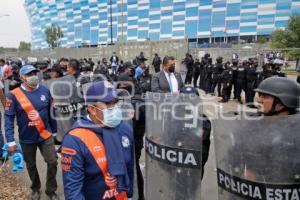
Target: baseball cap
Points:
(101, 91)
(57, 69)
(27, 69)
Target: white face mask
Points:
(32, 81)
(112, 116)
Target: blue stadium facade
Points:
(95, 22)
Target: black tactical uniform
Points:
(208, 77)
(240, 81)
(226, 79)
(266, 73)
(217, 71)
(202, 73)
(251, 76)
(144, 81)
(189, 62)
(197, 71)
(234, 77)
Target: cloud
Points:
(16, 26)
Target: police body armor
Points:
(173, 146)
(257, 157)
(217, 71)
(68, 102)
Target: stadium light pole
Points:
(111, 26)
(122, 33)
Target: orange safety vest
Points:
(97, 149)
(31, 112)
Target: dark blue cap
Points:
(27, 69)
(189, 90)
(101, 91)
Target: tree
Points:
(24, 46)
(262, 39)
(53, 35)
(288, 38)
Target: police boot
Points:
(52, 196)
(224, 100)
(36, 195)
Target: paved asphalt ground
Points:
(209, 183)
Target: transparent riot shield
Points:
(125, 104)
(257, 157)
(173, 147)
(6, 84)
(68, 102)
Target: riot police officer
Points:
(197, 70)
(234, 67)
(240, 80)
(144, 81)
(277, 70)
(266, 73)
(251, 77)
(226, 79)
(268, 158)
(202, 73)
(208, 77)
(278, 96)
(189, 62)
(217, 71)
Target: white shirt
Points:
(114, 61)
(173, 80)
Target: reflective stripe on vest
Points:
(32, 113)
(97, 149)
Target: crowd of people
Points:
(225, 79)
(86, 165)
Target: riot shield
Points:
(68, 102)
(257, 157)
(173, 146)
(125, 104)
(6, 84)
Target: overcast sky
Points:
(15, 27)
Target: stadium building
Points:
(97, 22)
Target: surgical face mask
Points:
(32, 81)
(112, 117)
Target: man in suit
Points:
(167, 80)
(114, 62)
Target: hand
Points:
(12, 149)
(176, 93)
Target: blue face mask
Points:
(112, 117)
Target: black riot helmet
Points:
(285, 90)
(189, 90)
(210, 60)
(219, 60)
(206, 56)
